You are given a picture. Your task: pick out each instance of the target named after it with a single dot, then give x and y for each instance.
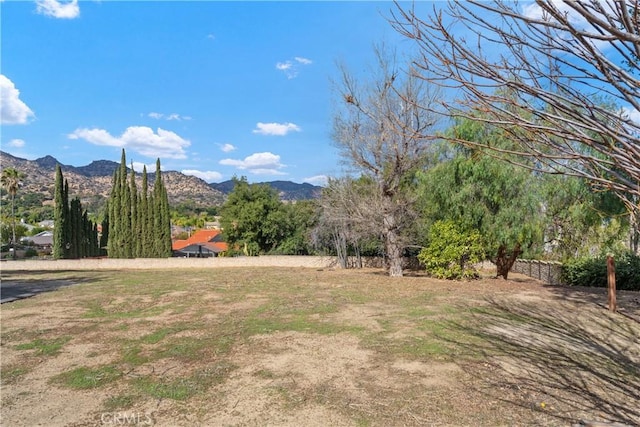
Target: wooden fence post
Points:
(611, 281)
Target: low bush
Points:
(452, 252)
(593, 272)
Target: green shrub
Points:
(593, 272)
(452, 252)
(31, 252)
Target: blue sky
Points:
(214, 89)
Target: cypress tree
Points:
(87, 231)
(104, 236)
(73, 232)
(94, 243)
(59, 216)
(113, 244)
(76, 229)
(144, 218)
(67, 222)
(162, 219)
(125, 210)
(137, 224)
(135, 232)
(151, 223)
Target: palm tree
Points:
(11, 182)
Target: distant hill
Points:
(287, 190)
(95, 180)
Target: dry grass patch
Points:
(284, 346)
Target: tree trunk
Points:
(504, 261)
(393, 246)
(340, 244)
(13, 226)
(634, 235)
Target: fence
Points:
(547, 271)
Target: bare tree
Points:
(384, 132)
(561, 78)
(349, 217)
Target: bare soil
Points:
(318, 347)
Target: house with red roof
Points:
(201, 244)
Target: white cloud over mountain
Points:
(317, 180)
(13, 111)
(16, 143)
(141, 139)
(208, 176)
(258, 163)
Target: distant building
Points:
(43, 241)
(201, 244)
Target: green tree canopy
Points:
(252, 218)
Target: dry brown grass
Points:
(300, 346)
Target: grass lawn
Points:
(276, 346)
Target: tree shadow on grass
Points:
(15, 283)
(573, 361)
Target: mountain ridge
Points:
(95, 179)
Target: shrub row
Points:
(593, 272)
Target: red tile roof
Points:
(201, 237)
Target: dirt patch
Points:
(363, 315)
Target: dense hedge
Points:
(593, 272)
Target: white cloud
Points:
(278, 129)
(284, 66)
(258, 163)
(534, 11)
(317, 180)
(303, 61)
(172, 116)
(208, 176)
(291, 67)
(227, 148)
(211, 36)
(141, 139)
(16, 143)
(151, 167)
(57, 9)
(13, 111)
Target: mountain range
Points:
(95, 180)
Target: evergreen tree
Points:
(162, 218)
(139, 224)
(75, 236)
(67, 222)
(125, 210)
(135, 231)
(146, 217)
(75, 229)
(113, 244)
(59, 221)
(104, 236)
